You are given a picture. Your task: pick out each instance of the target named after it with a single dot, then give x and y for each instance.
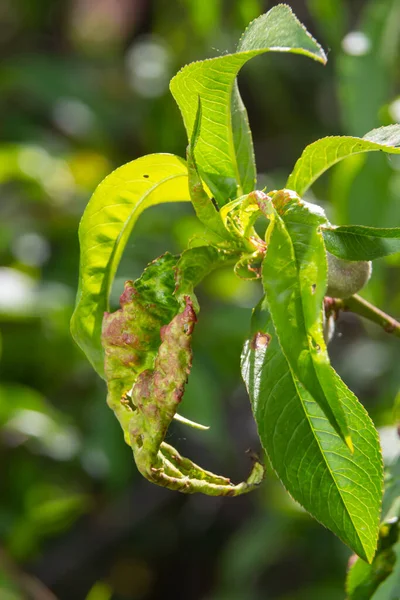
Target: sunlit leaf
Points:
(105, 229)
(326, 152)
(340, 489)
(224, 153)
(294, 276)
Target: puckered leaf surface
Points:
(105, 229)
(148, 358)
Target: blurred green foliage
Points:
(83, 89)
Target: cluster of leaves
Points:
(318, 437)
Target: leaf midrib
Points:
(309, 420)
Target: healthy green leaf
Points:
(326, 152)
(294, 276)
(356, 242)
(202, 204)
(105, 229)
(224, 152)
(148, 354)
(340, 489)
(363, 579)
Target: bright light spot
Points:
(17, 291)
(35, 162)
(356, 43)
(390, 443)
(54, 440)
(62, 444)
(31, 249)
(52, 173)
(73, 116)
(31, 423)
(59, 183)
(148, 63)
(394, 110)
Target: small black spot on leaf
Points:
(146, 176)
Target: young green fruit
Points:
(346, 277)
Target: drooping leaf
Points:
(356, 242)
(148, 359)
(104, 231)
(319, 156)
(340, 489)
(224, 153)
(294, 277)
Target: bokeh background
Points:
(84, 89)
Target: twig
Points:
(365, 309)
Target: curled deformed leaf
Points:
(105, 229)
(148, 352)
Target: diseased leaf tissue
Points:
(319, 439)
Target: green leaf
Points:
(364, 579)
(105, 229)
(340, 489)
(356, 242)
(390, 587)
(294, 276)
(148, 358)
(243, 142)
(326, 152)
(224, 152)
(203, 205)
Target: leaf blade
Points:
(213, 81)
(357, 242)
(326, 152)
(294, 276)
(104, 230)
(305, 450)
(148, 358)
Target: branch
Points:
(365, 309)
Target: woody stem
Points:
(365, 309)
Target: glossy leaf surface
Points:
(319, 156)
(224, 152)
(355, 242)
(340, 489)
(294, 277)
(105, 229)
